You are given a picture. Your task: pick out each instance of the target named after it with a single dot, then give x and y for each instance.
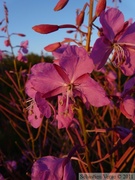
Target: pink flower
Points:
(127, 105)
(69, 78)
(23, 50)
(52, 168)
(117, 37)
(21, 57)
(24, 46)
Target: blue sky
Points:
(23, 15)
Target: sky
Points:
(25, 14)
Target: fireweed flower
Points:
(21, 57)
(24, 46)
(70, 78)
(52, 168)
(23, 50)
(127, 104)
(117, 37)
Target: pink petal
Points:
(93, 92)
(112, 22)
(102, 47)
(129, 35)
(128, 108)
(76, 62)
(43, 105)
(58, 52)
(34, 116)
(65, 114)
(129, 85)
(128, 67)
(52, 168)
(30, 91)
(45, 78)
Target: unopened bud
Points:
(45, 28)
(101, 5)
(60, 5)
(7, 42)
(19, 34)
(52, 47)
(70, 31)
(80, 18)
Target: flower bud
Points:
(60, 5)
(45, 28)
(52, 47)
(101, 5)
(19, 34)
(7, 42)
(80, 18)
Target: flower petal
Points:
(52, 168)
(76, 62)
(128, 67)
(34, 116)
(129, 84)
(65, 114)
(45, 78)
(129, 36)
(30, 90)
(112, 22)
(94, 93)
(100, 52)
(43, 105)
(128, 108)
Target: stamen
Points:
(119, 56)
(32, 102)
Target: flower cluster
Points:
(23, 47)
(86, 89)
(69, 78)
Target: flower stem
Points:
(87, 153)
(89, 26)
